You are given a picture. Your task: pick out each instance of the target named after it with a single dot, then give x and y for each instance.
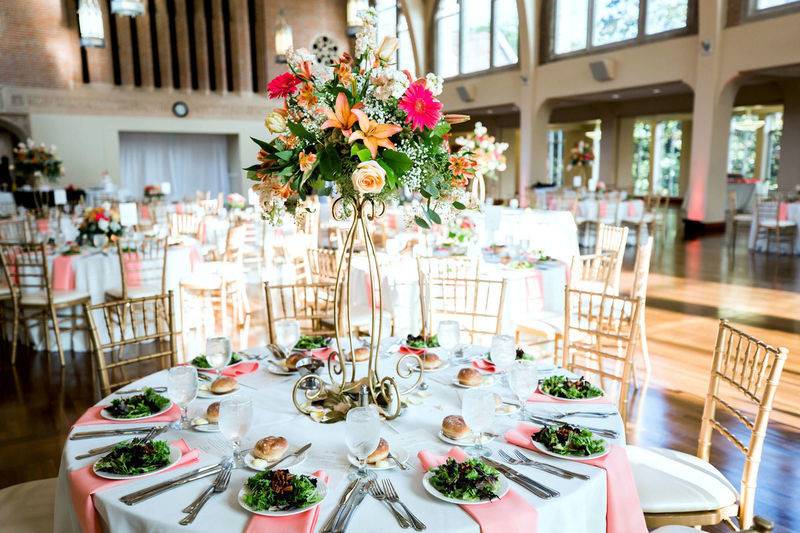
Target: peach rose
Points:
(369, 177)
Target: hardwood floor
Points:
(693, 284)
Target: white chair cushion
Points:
(59, 297)
(743, 217)
(673, 482)
(772, 223)
(675, 529)
(28, 507)
(135, 292)
(202, 281)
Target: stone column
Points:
(623, 179)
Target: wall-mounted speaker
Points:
(603, 70)
(466, 93)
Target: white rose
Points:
(275, 122)
(434, 83)
(369, 177)
(102, 224)
(387, 49)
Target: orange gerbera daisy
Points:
(342, 117)
(373, 134)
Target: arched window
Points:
(475, 35)
(392, 22)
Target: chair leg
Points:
(733, 236)
(645, 352)
(14, 335)
(57, 330)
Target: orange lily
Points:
(306, 160)
(373, 134)
(343, 117)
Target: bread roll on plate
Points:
(470, 377)
(224, 385)
(430, 361)
(380, 453)
(270, 448)
(212, 413)
(454, 427)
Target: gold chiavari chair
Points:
(612, 239)
(760, 525)
(33, 298)
(443, 267)
(143, 268)
(475, 303)
(592, 273)
(15, 230)
(735, 218)
(186, 225)
(678, 488)
(311, 304)
(652, 217)
(132, 335)
(600, 339)
(641, 275)
(769, 225)
(323, 264)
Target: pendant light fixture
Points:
(354, 7)
(90, 22)
(127, 8)
(283, 38)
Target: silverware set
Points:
(603, 432)
(585, 414)
(112, 432)
(153, 433)
(524, 481)
(522, 459)
(220, 484)
(348, 503)
(153, 490)
(140, 391)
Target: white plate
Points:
(105, 414)
(445, 364)
(201, 393)
(504, 486)
(538, 389)
(488, 381)
(322, 490)
(542, 448)
(386, 464)
(468, 440)
(278, 369)
(505, 409)
(249, 461)
(206, 428)
(174, 455)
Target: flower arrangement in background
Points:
(581, 157)
(462, 231)
(153, 191)
(487, 152)
(99, 221)
(235, 201)
(359, 129)
(33, 161)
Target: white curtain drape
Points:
(190, 162)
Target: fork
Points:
(584, 414)
(153, 433)
(392, 496)
(541, 466)
(378, 493)
(398, 462)
(220, 484)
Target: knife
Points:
(110, 432)
(143, 494)
(295, 454)
(328, 526)
(524, 481)
(358, 497)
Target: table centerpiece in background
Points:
(33, 162)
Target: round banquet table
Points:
(789, 211)
(580, 508)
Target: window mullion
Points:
(642, 19)
(491, 32)
(590, 25)
(460, 37)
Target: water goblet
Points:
(523, 380)
(218, 352)
(287, 333)
(503, 351)
(478, 408)
(182, 390)
(448, 335)
(235, 420)
(362, 435)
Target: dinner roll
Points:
(454, 427)
(270, 448)
(212, 413)
(430, 361)
(292, 360)
(223, 385)
(380, 453)
(361, 354)
(469, 377)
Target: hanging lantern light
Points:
(90, 21)
(354, 7)
(749, 122)
(127, 8)
(283, 38)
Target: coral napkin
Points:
(63, 276)
(783, 211)
(240, 369)
(602, 208)
(92, 416)
(42, 225)
(304, 522)
(84, 483)
(408, 349)
(510, 514)
(483, 364)
(623, 508)
(133, 268)
(631, 209)
(323, 354)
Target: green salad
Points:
(472, 480)
(135, 457)
(280, 490)
(308, 342)
(418, 341)
(571, 389)
(139, 405)
(521, 356)
(565, 439)
(201, 362)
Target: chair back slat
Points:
(641, 269)
(612, 239)
(15, 230)
(142, 262)
(311, 304)
(25, 267)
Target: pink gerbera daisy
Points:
(422, 109)
(283, 85)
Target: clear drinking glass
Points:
(235, 420)
(448, 335)
(182, 390)
(218, 352)
(477, 408)
(523, 380)
(362, 435)
(503, 351)
(287, 333)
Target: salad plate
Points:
(543, 449)
(430, 482)
(466, 440)
(260, 465)
(201, 363)
(149, 404)
(309, 496)
(576, 444)
(560, 387)
(174, 456)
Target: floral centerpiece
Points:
(489, 156)
(460, 234)
(32, 162)
(581, 157)
(153, 192)
(99, 221)
(360, 131)
(235, 201)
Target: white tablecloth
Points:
(792, 213)
(581, 508)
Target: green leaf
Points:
(434, 216)
(459, 205)
(288, 171)
(399, 161)
(425, 194)
(264, 145)
(422, 223)
(441, 129)
(298, 129)
(432, 191)
(329, 163)
(252, 176)
(257, 166)
(364, 155)
(391, 179)
(285, 155)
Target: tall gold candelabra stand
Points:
(384, 391)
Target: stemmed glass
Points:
(503, 351)
(523, 380)
(287, 333)
(448, 335)
(218, 352)
(477, 408)
(362, 435)
(235, 419)
(182, 390)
